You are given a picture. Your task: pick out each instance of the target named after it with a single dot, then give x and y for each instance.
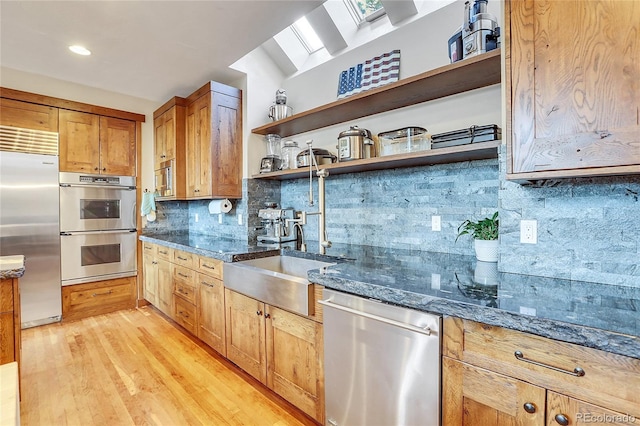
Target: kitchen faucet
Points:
(323, 240)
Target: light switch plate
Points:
(220, 218)
(239, 218)
(435, 223)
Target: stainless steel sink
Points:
(277, 280)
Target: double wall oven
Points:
(97, 227)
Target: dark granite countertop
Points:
(11, 267)
(600, 316)
(227, 250)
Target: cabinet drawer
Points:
(587, 374)
(183, 274)
(184, 313)
(148, 248)
(101, 297)
(164, 253)
(211, 267)
(183, 258)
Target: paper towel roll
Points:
(220, 206)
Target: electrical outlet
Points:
(529, 231)
(435, 281)
(196, 218)
(435, 223)
(239, 218)
(220, 218)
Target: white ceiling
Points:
(149, 49)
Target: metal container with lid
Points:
(354, 144)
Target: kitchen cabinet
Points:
(169, 143)
(10, 322)
(90, 143)
(214, 142)
(184, 298)
(573, 73)
(281, 349)
(26, 115)
(97, 298)
(211, 314)
(157, 280)
(493, 375)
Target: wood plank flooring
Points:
(134, 367)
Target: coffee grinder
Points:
(273, 161)
(277, 228)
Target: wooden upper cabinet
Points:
(117, 146)
(214, 142)
(90, 143)
(28, 116)
(169, 132)
(79, 142)
(575, 94)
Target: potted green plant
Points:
(485, 235)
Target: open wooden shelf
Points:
(473, 73)
(474, 151)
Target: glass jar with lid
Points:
(290, 151)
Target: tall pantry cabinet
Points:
(574, 74)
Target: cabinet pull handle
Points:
(183, 275)
(578, 372)
(267, 316)
(106, 293)
(207, 284)
(182, 258)
(529, 407)
(163, 252)
(153, 262)
(561, 419)
(204, 265)
(258, 313)
(183, 314)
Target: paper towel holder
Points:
(220, 206)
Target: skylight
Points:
(365, 10)
(307, 35)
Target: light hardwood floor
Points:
(134, 367)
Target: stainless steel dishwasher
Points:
(382, 363)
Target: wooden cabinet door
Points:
(26, 115)
(574, 87)
(199, 148)
(79, 142)
(474, 396)
(294, 359)
(246, 334)
(150, 270)
(165, 287)
(226, 146)
(117, 146)
(211, 321)
(562, 409)
(159, 141)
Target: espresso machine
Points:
(274, 221)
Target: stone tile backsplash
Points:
(588, 229)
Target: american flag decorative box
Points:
(375, 72)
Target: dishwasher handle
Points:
(422, 330)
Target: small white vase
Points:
(486, 250)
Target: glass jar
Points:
(290, 151)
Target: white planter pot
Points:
(486, 250)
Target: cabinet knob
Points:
(267, 315)
(258, 313)
(529, 407)
(104, 169)
(96, 169)
(561, 419)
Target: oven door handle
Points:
(77, 185)
(120, 231)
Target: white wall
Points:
(35, 83)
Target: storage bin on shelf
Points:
(402, 141)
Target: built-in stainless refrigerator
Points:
(29, 225)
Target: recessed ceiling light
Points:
(80, 50)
